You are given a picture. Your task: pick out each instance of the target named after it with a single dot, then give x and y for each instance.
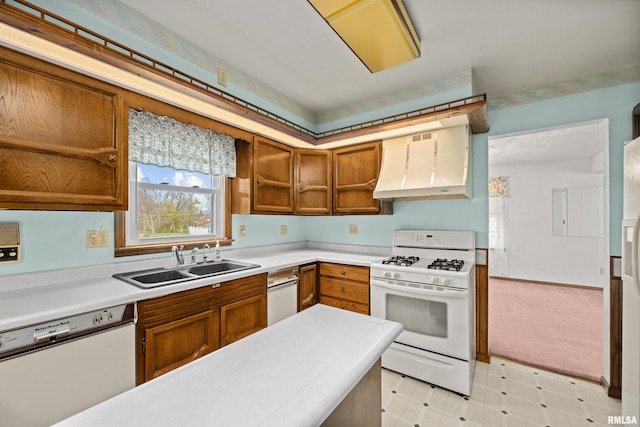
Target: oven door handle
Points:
(420, 291)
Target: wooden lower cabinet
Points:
(176, 329)
(241, 318)
(344, 286)
(308, 286)
(173, 344)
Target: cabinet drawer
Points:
(358, 292)
(344, 304)
(349, 272)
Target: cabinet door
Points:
(176, 343)
(355, 174)
(345, 304)
(313, 182)
(344, 286)
(346, 272)
(345, 289)
(62, 138)
(307, 287)
(241, 318)
(273, 176)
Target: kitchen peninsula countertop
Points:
(27, 299)
(294, 373)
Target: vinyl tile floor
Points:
(504, 393)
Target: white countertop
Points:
(293, 373)
(40, 297)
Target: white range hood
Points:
(428, 165)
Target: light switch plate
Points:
(353, 228)
(283, 229)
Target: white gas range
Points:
(428, 285)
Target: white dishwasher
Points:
(55, 369)
(282, 294)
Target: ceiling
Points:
(562, 143)
(285, 53)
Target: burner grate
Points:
(446, 264)
(401, 260)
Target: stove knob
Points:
(443, 281)
(396, 275)
(387, 274)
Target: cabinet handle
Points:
(310, 298)
(342, 290)
(343, 272)
(112, 157)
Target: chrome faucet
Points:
(178, 252)
(194, 253)
(204, 252)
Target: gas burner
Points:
(446, 264)
(401, 260)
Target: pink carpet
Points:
(558, 328)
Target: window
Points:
(178, 176)
(170, 205)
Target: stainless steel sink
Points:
(216, 268)
(168, 276)
(159, 277)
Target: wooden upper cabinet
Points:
(355, 175)
(62, 138)
(273, 176)
(313, 182)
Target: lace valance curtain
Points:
(163, 141)
(498, 186)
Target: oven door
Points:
(434, 319)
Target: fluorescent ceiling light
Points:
(379, 32)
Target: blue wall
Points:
(53, 240)
(613, 103)
(57, 239)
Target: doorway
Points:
(549, 247)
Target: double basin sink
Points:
(171, 275)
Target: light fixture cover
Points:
(379, 32)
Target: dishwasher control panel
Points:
(48, 333)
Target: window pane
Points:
(165, 213)
(166, 175)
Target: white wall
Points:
(533, 253)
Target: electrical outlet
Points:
(243, 231)
(97, 238)
(353, 228)
(222, 76)
(283, 229)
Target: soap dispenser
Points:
(216, 252)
